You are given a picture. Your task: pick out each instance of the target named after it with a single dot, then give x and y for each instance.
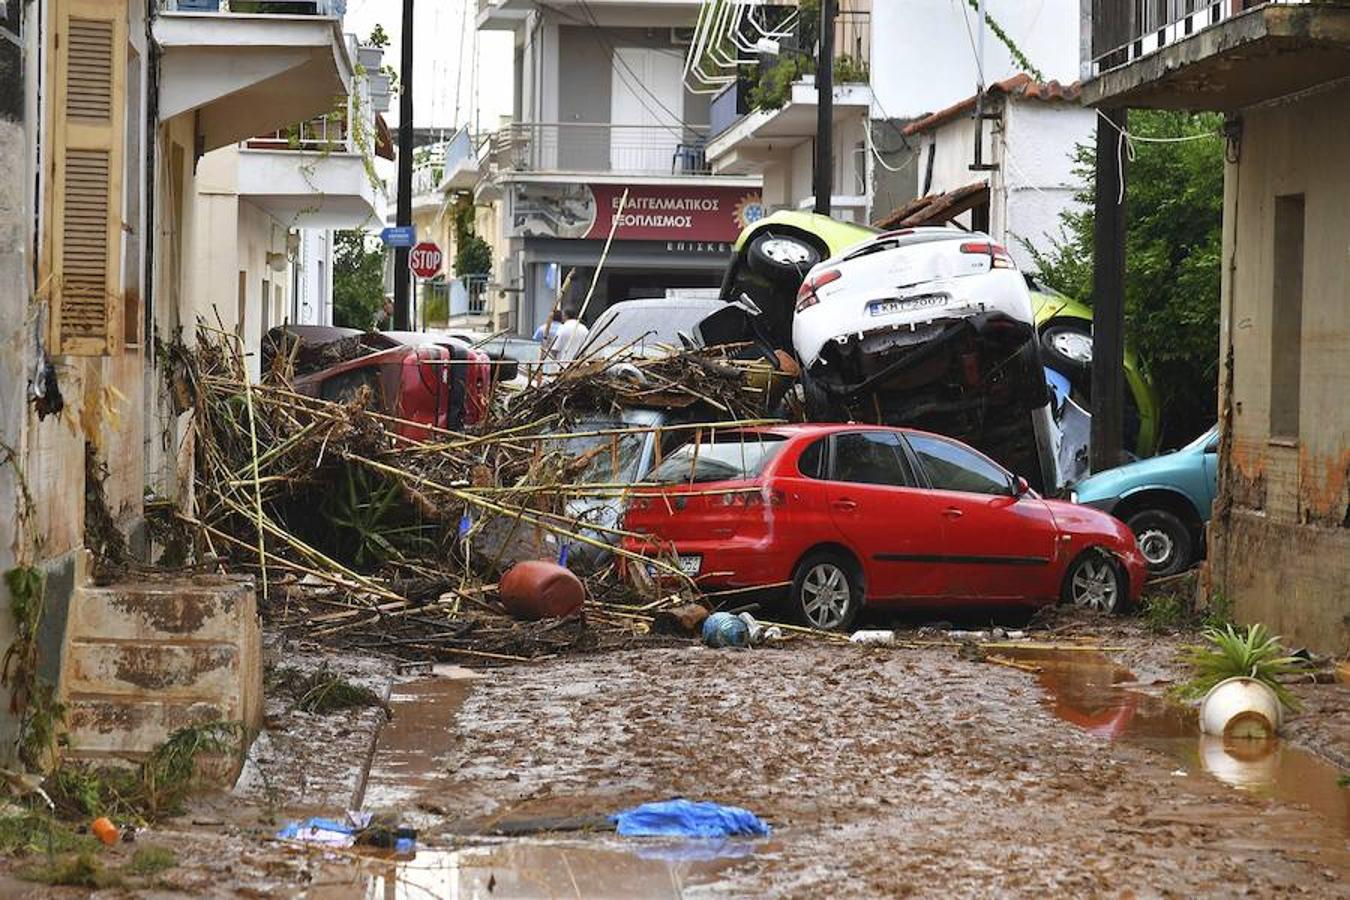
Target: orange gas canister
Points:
(535, 589)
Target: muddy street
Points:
(882, 772)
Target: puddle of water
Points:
(1085, 688)
(411, 750)
(522, 869)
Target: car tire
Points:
(1067, 348)
(820, 405)
(781, 257)
(1164, 540)
(827, 591)
(1097, 582)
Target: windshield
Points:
(1203, 439)
(730, 457)
(645, 326)
(605, 458)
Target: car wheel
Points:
(1067, 348)
(1095, 581)
(820, 405)
(1164, 540)
(827, 591)
(781, 257)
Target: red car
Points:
(421, 377)
(853, 514)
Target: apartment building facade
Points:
(113, 243)
(1279, 539)
(602, 114)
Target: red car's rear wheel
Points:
(827, 591)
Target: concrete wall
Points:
(927, 62)
(311, 302)
(1036, 154)
(1281, 535)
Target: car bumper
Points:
(1136, 569)
(724, 564)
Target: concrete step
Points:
(144, 659)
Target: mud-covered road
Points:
(884, 772)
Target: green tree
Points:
(473, 256)
(358, 281)
(1174, 216)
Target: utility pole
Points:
(1108, 293)
(402, 276)
(824, 174)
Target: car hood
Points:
(1113, 482)
(1076, 518)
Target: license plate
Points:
(908, 304)
(689, 565)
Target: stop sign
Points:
(425, 259)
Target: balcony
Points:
(443, 166)
(1212, 54)
(600, 149)
(243, 68)
(761, 136)
(311, 175)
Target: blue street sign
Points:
(402, 236)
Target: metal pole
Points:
(1108, 293)
(824, 174)
(402, 275)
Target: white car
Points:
(932, 328)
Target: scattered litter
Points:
(686, 818)
(725, 630)
(757, 632)
(104, 830)
(685, 619)
(873, 637)
(326, 832)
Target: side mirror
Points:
(749, 305)
(1020, 487)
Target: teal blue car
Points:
(1165, 500)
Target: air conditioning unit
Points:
(680, 36)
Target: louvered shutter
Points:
(85, 213)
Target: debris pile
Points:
(373, 532)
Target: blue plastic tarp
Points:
(686, 818)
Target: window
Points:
(951, 467)
(812, 461)
(871, 457)
(604, 458)
(730, 457)
(1286, 317)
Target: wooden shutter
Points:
(84, 235)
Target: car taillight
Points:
(998, 256)
(806, 294)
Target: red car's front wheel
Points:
(1095, 581)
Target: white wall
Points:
(1039, 143)
(922, 59)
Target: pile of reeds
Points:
(363, 530)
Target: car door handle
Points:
(952, 512)
(844, 503)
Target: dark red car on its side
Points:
(854, 514)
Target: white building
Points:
(1024, 180)
(602, 111)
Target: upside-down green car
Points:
(771, 257)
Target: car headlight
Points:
(1073, 496)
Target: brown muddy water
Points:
(1096, 694)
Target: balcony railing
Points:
(600, 147)
(1124, 31)
(334, 8)
(326, 133)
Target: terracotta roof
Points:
(936, 209)
(1020, 85)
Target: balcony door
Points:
(646, 109)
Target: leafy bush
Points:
(358, 281)
(1254, 654)
(1174, 235)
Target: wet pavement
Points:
(883, 771)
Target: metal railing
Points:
(431, 162)
(600, 147)
(322, 133)
(1124, 31)
(445, 300)
(333, 8)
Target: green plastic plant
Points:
(1255, 653)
